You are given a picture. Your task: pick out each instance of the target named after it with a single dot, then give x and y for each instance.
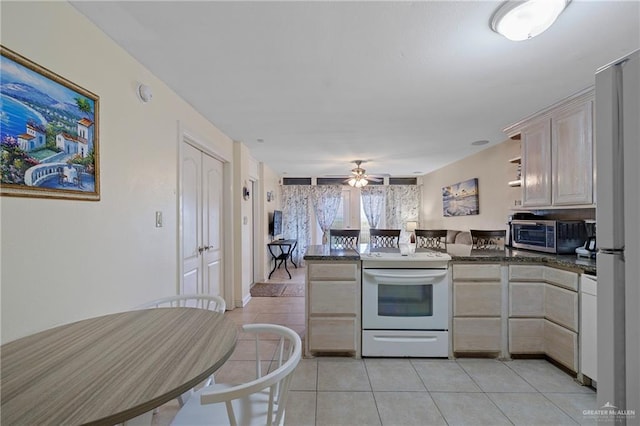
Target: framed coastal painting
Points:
(48, 133)
(461, 199)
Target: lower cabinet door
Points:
(332, 334)
(477, 334)
(561, 344)
(333, 297)
(477, 299)
(526, 336)
(561, 306)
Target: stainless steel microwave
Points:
(549, 236)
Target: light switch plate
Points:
(158, 219)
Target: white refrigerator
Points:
(618, 237)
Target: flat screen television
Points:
(275, 226)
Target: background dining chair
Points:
(488, 239)
(344, 238)
(384, 237)
(433, 239)
(200, 301)
(260, 401)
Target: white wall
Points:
(270, 182)
(63, 260)
(244, 172)
(493, 170)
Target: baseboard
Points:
(242, 303)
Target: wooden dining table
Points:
(113, 368)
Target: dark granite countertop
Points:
(322, 252)
(512, 255)
(464, 254)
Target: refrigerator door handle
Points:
(611, 251)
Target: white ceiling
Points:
(406, 86)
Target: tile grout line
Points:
(538, 391)
(485, 393)
(429, 392)
(375, 401)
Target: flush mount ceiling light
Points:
(522, 20)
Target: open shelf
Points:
(516, 160)
(515, 182)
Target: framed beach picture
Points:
(461, 199)
(48, 133)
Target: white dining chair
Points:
(258, 402)
(200, 301)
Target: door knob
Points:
(208, 247)
(201, 249)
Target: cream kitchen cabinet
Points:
(333, 307)
(543, 313)
(572, 154)
(536, 164)
(557, 154)
(477, 308)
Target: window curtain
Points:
(326, 200)
(402, 205)
(372, 203)
(296, 218)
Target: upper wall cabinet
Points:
(557, 154)
(572, 154)
(536, 163)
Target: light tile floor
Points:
(415, 391)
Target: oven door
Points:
(405, 299)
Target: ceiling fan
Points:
(360, 178)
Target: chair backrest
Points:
(384, 237)
(344, 238)
(488, 239)
(277, 378)
(434, 239)
(202, 301)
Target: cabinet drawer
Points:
(562, 278)
(333, 297)
(526, 272)
(526, 336)
(477, 298)
(480, 272)
(477, 334)
(526, 299)
(332, 334)
(333, 271)
(561, 344)
(561, 306)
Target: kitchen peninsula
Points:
(505, 303)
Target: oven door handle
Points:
(429, 277)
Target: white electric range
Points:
(405, 303)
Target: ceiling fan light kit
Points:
(359, 178)
(522, 20)
(358, 181)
